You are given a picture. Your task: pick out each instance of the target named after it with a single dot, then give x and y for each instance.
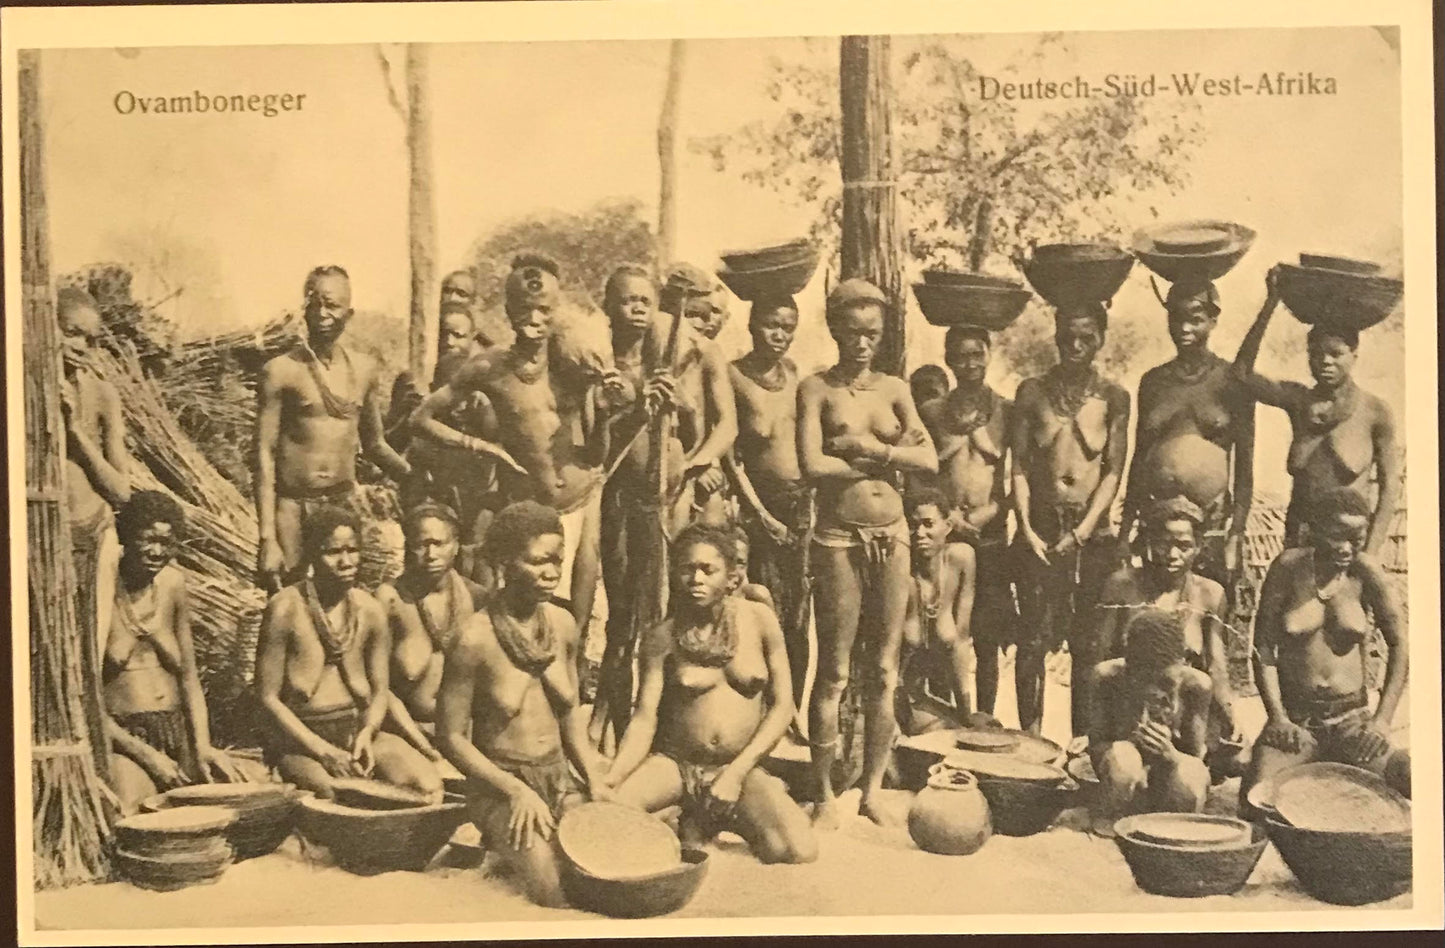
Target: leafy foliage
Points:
(979, 180)
(588, 245)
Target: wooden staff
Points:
(70, 832)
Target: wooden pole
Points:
(871, 248)
(70, 826)
(667, 157)
(421, 211)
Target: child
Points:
(940, 603)
(1149, 712)
(757, 592)
(927, 383)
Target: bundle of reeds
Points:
(71, 830)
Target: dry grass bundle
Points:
(70, 831)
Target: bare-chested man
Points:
(507, 714)
(323, 672)
(314, 405)
(858, 433)
(776, 503)
(1343, 436)
(1316, 607)
(155, 708)
(550, 421)
(713, 702)
(96, 482)
(1195, 436)
(697, 388)
(425, 608)
(970, 428)
(1148, 715)
(1070, 440)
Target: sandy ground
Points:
(862, 869)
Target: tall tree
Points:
(667, 155)
(870, 246)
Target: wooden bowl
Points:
(262, 822)
(1193, 250)
(1338, 299)
(991, 307)
(763, 258)
(366, 842)
(1071, 274)
(1345, 868)
(784, 279)
(166, 874)
(1183, 872)
(643, 897)
(1022, 808)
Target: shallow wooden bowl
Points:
(643, 897)
(1183, 872)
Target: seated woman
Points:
(940, 608)
(1171, 531)
(715, 698)
(425, 608)
(1147, 721)
(323, 672)
(507, 710)
(1309, 652)
(155, 709)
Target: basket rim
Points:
(1240, 238)
(795, 243)
(207, 823)
(803, 262)
(683, 867)
(332, 808)
(1258, 836)
(177, 860)
(1379, 281)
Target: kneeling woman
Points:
(156, 711)
(715, 698)
(1309, 652)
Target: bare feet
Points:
(825, 815)
(878, 814)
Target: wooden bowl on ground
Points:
(1345, 868)
(643, 897)
(263, 820)
(1022, 808)
(785, 279)
(166, 874)
(1188, 872)
(991, 307)
(366, 842)
(1072, 274)
(1336, 298)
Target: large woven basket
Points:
(1190, 872)
(992, 307)
(168, 873)
(1166, 250)
(1338, 298)
(192, 832)
(1345, 868)
(784, 279)
(1071, 274)
(265, 814)
(371, 841)
(1023, 808)
(774, 256)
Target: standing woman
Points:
(858, 430)
(1195, 437)
(1343, 436)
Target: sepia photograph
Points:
(527, 469)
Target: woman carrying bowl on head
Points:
(1343, 436)
(1195, 436)
(858, 430)
(1309, 660)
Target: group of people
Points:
(747, 524)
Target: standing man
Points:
(1070, 440)
(970, 427)
(549, 420)
(314, 407)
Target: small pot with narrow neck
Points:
(950, 815)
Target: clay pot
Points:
(950, 815)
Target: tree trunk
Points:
(69, 756)
(421, 213)
(978, 242)
(871, 248)
(667, 156)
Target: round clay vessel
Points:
(950, 815)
